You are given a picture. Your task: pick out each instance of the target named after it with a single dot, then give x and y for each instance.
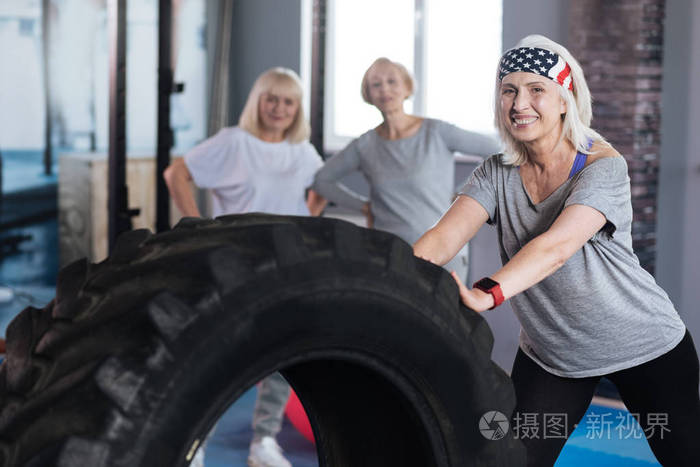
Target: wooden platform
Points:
(82, 203)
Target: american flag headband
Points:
(539, 61)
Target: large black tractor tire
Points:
(138, 356)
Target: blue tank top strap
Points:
(579, 163)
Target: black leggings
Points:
(663, 391)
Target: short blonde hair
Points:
(408, 79)
(282, 80)
(577, 119)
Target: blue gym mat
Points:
(607, 437)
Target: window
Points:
(79, 75)
(451, 47)
(21, 79)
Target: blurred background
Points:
(641, 59)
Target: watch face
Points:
(487, 283)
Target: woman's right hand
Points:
(367, 211)
(475, 299)
(178, 179)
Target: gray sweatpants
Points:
(273, 393)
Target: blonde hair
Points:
(408, 79)
(577, 119)
(282, 80)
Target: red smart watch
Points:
(489, 285)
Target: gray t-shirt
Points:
(601, 311)
(411, 179)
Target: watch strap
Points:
(492, 287)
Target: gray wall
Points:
(266, 33)
(546, 17)
(678, 254)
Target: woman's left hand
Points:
(367, 211)
(476, 299)
(315, 202)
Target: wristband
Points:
(492, 287)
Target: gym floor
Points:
(28, 266)
(604, 438)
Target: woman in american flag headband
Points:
(559, 197)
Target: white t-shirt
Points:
(246, 174)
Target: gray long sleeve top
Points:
(411, 179)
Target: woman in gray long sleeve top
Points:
(407, 160)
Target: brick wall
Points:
(619, 44)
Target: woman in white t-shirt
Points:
(265, 164)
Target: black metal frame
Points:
(318, 67)
(45, 22)
(119, 216)
(165, 137)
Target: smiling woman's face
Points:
(387, 87)
(277, 110)
(531, 106)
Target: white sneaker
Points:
(267, 453)
(198, 459)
